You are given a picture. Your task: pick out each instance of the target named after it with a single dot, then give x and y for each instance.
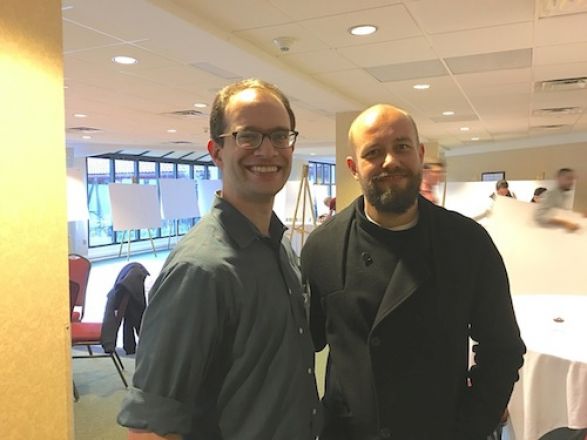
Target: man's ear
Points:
(214, 151)
(350, 163)
(421, 152)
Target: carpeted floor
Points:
(100, 394)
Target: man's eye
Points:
(371, 154)
(280, 136)
(247, 136)
(403, 147)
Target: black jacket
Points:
(405, 373)
(130, 281)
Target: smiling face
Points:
(387, 158)
(252, 177)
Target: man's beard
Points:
(393, 199)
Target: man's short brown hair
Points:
(217, 114)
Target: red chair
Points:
(90, 333)
(79, 273)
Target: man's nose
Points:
(266, 148)
(389, 159)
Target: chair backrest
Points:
(79, 273)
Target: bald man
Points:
(398, 288)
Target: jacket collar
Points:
(241, 229)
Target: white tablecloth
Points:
(552, 391)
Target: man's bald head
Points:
(374, 116)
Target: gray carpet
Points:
(100, 394)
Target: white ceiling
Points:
(481, 59)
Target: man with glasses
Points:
(224, 350)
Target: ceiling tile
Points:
(393, 23)
(319, 61)
(512, 59)
(443, 95)
(303, 40)
(234, 15)
(414, 70)
(484, 40)
(559, 30)
(559, 71)
(452, 15)
(305, 9)
(389, 52)
(477, 81)
(561, 54)
(77, 37)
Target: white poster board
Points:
(206, 194)
(77, 203)
(178, 199)
(539, 260)
(284, 204)
(134, 206)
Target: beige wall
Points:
(526, 164)
(35, 399)
(347, 188)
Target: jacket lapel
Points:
(406, 279)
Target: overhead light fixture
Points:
(86, 137)
(465, 128)
(123, 59)
(448, 113)
(421, 86)
(312, 154)
(362, 30)
(172, 130)
(80, 115)
(200, 105)
(475, 138)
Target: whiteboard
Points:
(284, 204)
(178, 199)
(77, 204)
(134, 206)
(207, 193)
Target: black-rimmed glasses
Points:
(250, 139)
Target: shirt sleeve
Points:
(181, 330)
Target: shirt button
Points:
(375, 341)
(309, 371)
(289, 291)
(385, 433)
(301, 330)
(314, 411)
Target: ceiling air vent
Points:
(191, 113)
(181, 142)
(557, 111)
(83, 130)
(556, 85)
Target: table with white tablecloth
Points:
(552, 390)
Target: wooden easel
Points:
(127, 232)
(303, 194)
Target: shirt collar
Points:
(241, 229)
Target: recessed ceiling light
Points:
(421, 86)
(86, 137)
(448, 113)
(363, 29)
(123, 59)
(172, 130)
(475, 138)
(312, 154)
(80, 115)
(465, 128)
(200, 105)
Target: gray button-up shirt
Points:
(225, 351)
